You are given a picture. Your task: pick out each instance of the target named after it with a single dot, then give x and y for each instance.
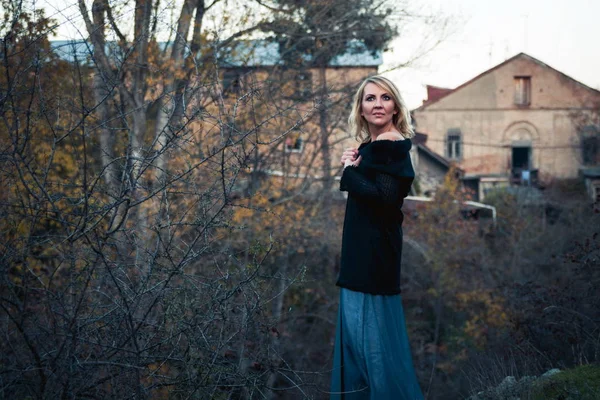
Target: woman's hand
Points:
(354, 163)
(350, 155)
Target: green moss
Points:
(580, 383)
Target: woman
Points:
(372, 357)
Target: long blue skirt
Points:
(372, 357)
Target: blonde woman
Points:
(372, 356)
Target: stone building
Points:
(311, 104)
(294, 115)
(520, 122)
(430, 167)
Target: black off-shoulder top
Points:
(372, 233)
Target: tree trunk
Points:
(102, 93)
(327, 179)
(325, 150)
(171, 112)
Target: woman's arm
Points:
(385, 188)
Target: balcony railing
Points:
(524, 177)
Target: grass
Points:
(580, 383)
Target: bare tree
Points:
(135, 261)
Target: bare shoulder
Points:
(390, 136)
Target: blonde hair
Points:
(402, 120)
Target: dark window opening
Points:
(522, 169)
(233, 80)
(454, 144)
(303, 85)
(590, 151)
(520, 158)
(293, 144)
(590, 145)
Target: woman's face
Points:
(377, 106)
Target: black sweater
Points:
(372, 234)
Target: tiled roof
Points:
(435, 92)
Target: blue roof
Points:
(251, 53)
(358, 55)
(68, 49)
(261, 53)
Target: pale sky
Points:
(562, 34)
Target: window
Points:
(293, 143)
(454, 144)
(303, 85)
(233, 80)
(522, 90)
(521, 158)
(590, 145)
(590, 151)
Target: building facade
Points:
(521, 122)
(306, 110)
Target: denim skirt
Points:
(372, 357)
